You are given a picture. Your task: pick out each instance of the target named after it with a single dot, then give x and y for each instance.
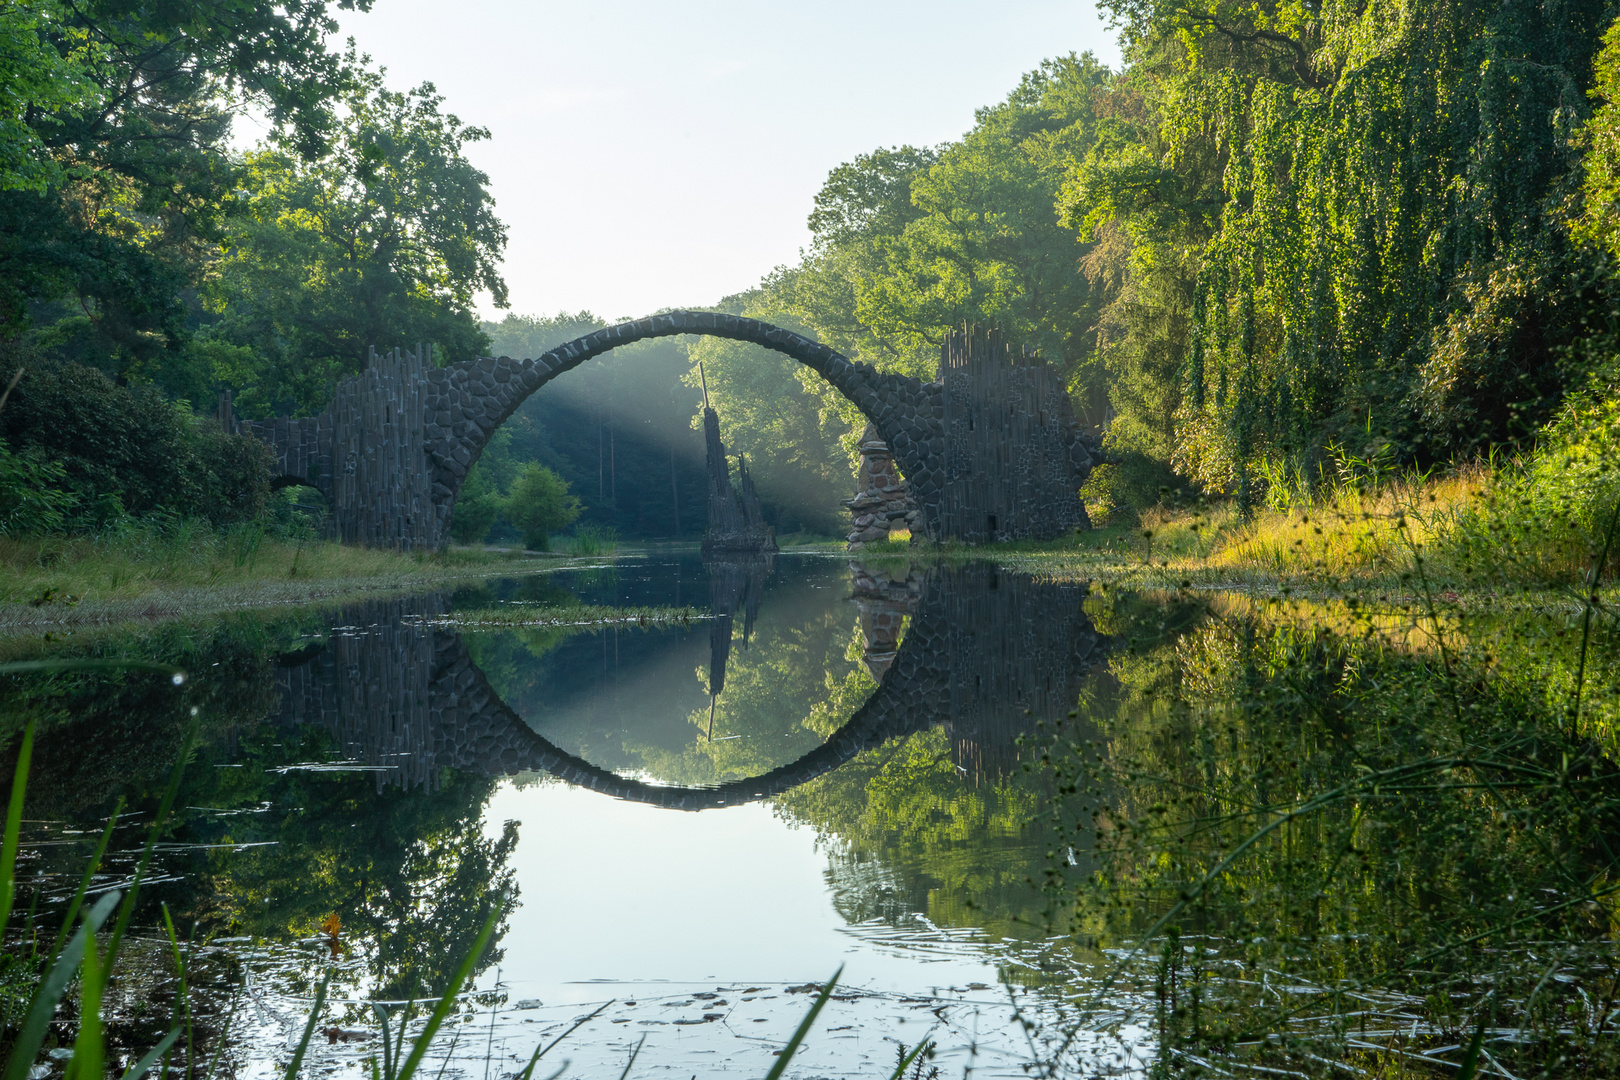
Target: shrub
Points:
(125, 449)
(1118, 491)
(540, 505)
(477, 508)
(32, 499)
(1552, 516)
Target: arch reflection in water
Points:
(984, 653)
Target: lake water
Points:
(693, 820)
(1053, 828)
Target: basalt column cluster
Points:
(736, 521)
(1014, 454)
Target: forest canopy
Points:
(1282, 242)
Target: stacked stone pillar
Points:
(882, 500)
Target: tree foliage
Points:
(1350, 222)
(383, 240)
(109, 451)
(115, 176)
(540, 505)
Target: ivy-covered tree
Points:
(1356, 219)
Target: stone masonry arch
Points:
(391, 451)
(986, 653)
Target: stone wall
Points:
(394, 446)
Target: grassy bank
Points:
(54, 581)
(1470, 534)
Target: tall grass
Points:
(153, 572)
(589, 540)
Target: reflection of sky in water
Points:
(615, 890)
(701, 929)
(636, 700)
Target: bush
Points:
(127, 450)
(1117, 492)
(31, 496)
(540, 505)
(477, 508)
(1553, 516)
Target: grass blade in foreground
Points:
(633, 1055)
(49, 994)
(84, 883)
(442, 1009)
(792, 1046)
(8, 853)
(905, 1062)
(542, 1051)
(143, 1066)
(159, 823)
(297, 1061)
(89, 1051)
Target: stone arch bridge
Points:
(991, 448)
(986, 655)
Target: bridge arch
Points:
(990, 450)
(468, 401)
(983, 647)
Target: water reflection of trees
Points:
(1399, 827)
(409, 871)
(943, 820)
(261, 847)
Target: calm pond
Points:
(691, 821)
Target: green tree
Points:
(115, 170)
(477, 508)
(1347, 225)
(908, 244)
(540, 505)
(383, 240)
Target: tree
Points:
(115, 172)
(909, 243)
(477, 508)
(539, 506)
(1348, 226)
(383, 240)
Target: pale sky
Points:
(649, 155)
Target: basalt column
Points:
(1015, 456)
(736, 522)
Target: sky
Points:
(651, 155)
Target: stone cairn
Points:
(882, 604)
(882, 500)
(736, 521)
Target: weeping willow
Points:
(1377, 200)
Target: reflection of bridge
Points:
(990, 449)
(986, 653)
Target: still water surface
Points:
(693, 820)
